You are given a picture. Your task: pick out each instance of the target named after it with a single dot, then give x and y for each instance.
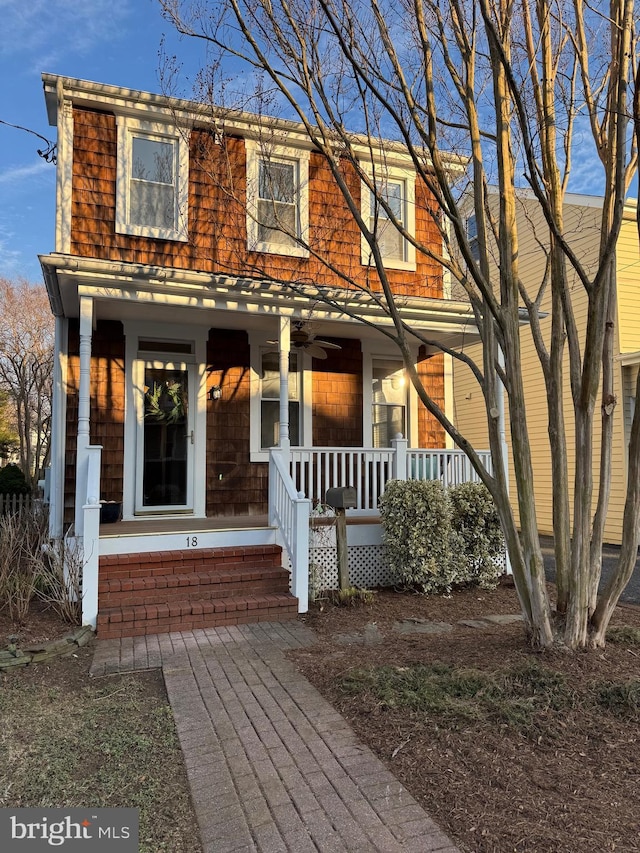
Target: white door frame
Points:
(197, 336)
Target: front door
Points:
(165, 436)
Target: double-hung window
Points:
(277, 199)
(389, 210)
(152, 180)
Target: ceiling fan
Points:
(302, 338)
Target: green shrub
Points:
(416, 525)
(13, 481)
(477, 537)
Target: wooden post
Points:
(341, 544)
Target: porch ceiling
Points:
(124, 291)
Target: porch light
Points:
(215, 392)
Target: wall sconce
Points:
(215, 392)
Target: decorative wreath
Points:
(165, 402)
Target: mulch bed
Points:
(568, 785)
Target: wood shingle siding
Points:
(217, 222)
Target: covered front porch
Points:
(218, 412)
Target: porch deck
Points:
(182, 524)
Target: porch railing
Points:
(315, 469)
(289, 511)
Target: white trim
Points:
(255, 152)
(449, 400)
(64, 173)
(407, 178)
(129, 128)
(58, 429)
(134, 330)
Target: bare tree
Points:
(26, 368)
(502, 84)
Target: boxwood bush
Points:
(436, 539)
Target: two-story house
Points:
(202, 384)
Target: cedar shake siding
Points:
(107, 408)
(337, 396)
(431, 372)
(217, 222)
(234, 487)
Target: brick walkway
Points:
(272, 766)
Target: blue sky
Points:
(109, 41)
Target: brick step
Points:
(206, 584)
(189, 560)
(185, 615)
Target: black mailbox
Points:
(343, 497)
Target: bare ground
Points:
(567, 782)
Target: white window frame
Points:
(371, 352)
(128, 129)
(383, 174)
(255, 153)
(257, 453)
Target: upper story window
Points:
(471, 226)
(277, 199)
(388, 211)
(153, 177)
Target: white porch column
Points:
(284, 347)
(84, 409)
(58, 431)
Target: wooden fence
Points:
(17, 503)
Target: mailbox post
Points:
(342, 499)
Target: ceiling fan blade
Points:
(315, 351)
(326, 344)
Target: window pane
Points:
(270, 429)
(388, 421)
(390, 240)
(273, 216)
(389, 393)
(152, 160)
(277, 181)
(152, 205)
(271, 376)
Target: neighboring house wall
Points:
(582, 223)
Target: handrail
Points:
(90, 538)
(289, 511)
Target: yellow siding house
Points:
(582, 215)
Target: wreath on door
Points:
(165, 402)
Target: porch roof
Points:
(127, 291)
